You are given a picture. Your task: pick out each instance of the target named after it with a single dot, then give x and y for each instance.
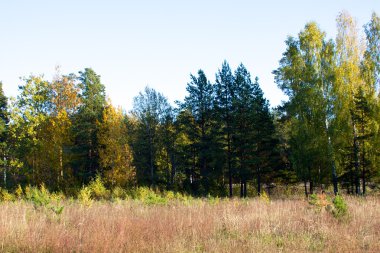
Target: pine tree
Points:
(93, 102)
(199, 102)
(151, 109)
(224, 92)
(244, 125)
(4, 120)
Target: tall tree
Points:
(265, 141)
(367, 100)
(224, 91)
(301, 76)
(115, 155)
(199, 102)
(64, 103)
(151, 109)
(4, 120)
(347, 83)
(93, 102)
(28, 116)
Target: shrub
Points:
(320, 201)
(19, 192)
(84, 196)
(6, 196)
(98, 190)
(40, 197)
(264, 197)
(170, 195)
(340, 207)
(148, 196)
(213, 200)
(119, 193)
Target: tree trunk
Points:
(363, 181)
(311, 187)
(258, 182)
(245, 188)
(241, 189)
(173, 171)
(331, 158)
(305, 187)
(203, 168)
(60, 177)
(364, 164)
(151, 157)
(5, 172)
(229, 165)
(356, 162)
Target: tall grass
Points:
(195, 225)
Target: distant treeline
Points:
(64, 133)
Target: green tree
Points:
(200, 104)
(151, 109)
(301, 76)
(85, 127)
(224, 96)
(4, 120)
(347, 84)
(28, 116)
(367, 102)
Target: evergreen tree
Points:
(4, 120)
(85, 127)
(199, 102)
(151, 109)
(243, 124)
(225, 93)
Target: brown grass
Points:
(227, 226)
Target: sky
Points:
(132, 44)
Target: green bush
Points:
(98, 190)
(148, 196)
(340, 207)
(19, 192)
(84, 196)
(40, 197)
(6, 196)
(213, 200)
(169, 195)
(313, 199)
(119, 193)
(320, 201)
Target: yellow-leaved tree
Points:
(114, 151)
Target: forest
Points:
(223, 139)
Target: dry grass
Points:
(227, 226)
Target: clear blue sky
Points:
(132, 44)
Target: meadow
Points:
(147, 222)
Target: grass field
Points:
(219, 225)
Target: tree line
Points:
(223, 136)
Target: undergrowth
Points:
(336, 206)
